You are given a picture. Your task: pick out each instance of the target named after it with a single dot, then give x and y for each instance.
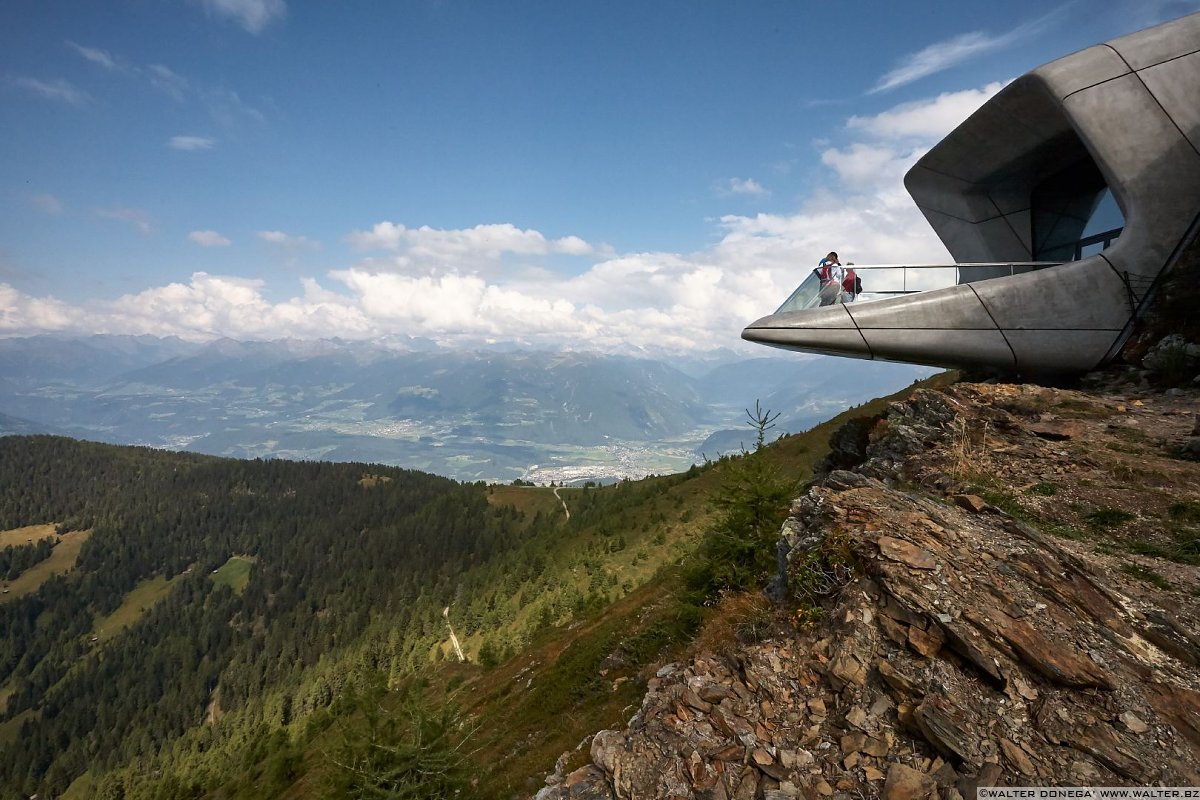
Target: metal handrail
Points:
(1104, 239)
(1034, 264)
(803, 298)
(1012, 266)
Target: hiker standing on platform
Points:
(831, 274)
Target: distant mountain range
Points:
(493, 415)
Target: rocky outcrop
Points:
(961, 643)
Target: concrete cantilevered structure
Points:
(1017, 183)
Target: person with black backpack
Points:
(851, 285)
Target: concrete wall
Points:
(1132, 106)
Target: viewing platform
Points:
(889, 280)
(1065, 201)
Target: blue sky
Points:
(620, 175)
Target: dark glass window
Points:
(1074, 214)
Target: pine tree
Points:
(410, 753)
(738, 551)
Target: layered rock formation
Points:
(980, 600)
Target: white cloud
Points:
(862, 164)
(571, 246)
(191, 142)
(47, 204)
(943, 55)
(137, 217)
(207, 238)
(466, 248)
(424, 281)
(57, 89)
(21, 314)
(252, 15)
(746, 186)
(94, 55)
(159, 76)
(288, 241)
(205, 307)
(898, 137)
(926, 119)
(167, 81)
(939, 56)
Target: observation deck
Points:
(1065, 201)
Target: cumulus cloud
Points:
(58, 89)
(191, 142)
(137, 217)
(47, 204)
(205, 307)
(928, 119)
(95, 55)
(863, 164)
(207, 238)
(22, 314)
(466, 247)
(252, 15)
(288, 241)
(423, 281)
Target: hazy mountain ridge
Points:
(10, 426)
(82, 360)
(490, 414)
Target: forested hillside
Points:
(330, 552)
(183, 626)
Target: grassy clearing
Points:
(234, 573)
(140, 600)
(528, 499)
(30, 534)
(11, 729)
(81, 788)
(62, 560)
(368, 480)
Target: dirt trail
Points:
(564, 504)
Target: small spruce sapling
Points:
(738, 551)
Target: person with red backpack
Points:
(851, 285)
(830, 271)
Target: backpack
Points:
(851, 283)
